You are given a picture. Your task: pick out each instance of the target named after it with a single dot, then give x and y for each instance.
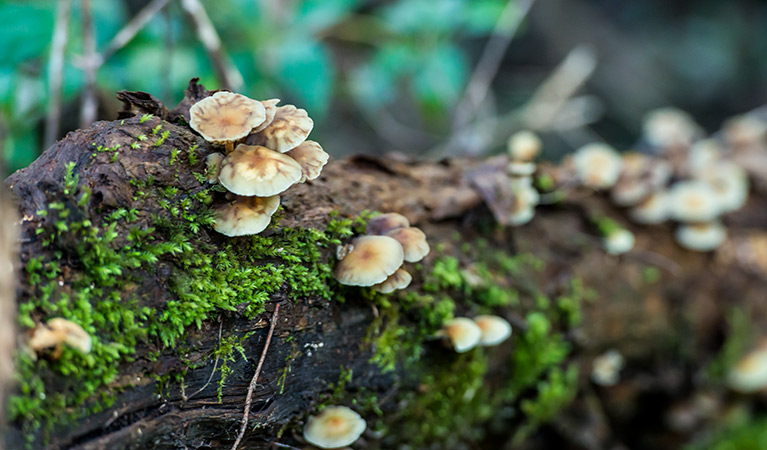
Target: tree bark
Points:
(669, 330)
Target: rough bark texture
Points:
(669, 329)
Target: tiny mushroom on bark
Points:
(213, 166)
(56, 332)
(290, 127)
(750, 373)
(730, 184)
(413, 242)
(255, 170)
(371, 260)
(226, 117)
(270, 107)
(246, 215)
(524, 146)
(463, 333)
(334, 427)
(398, 280)
(310, 156)
(597, 165)
(693, 201)
(619, 241)
(653, 210)
(670, 127)
(384, 223)
(525, 200)
(606, 368)
(494, 329)
(701, 237)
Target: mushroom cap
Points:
(524, 146)
(750, 373)
(693, 201)
(701, 237)
(730, 183)
(371, 260)
(495, 329)
(226, 116)
(619, 241)
(270, 106)
(246, 215)
(398, 280)
(670, 127)
(384, 223)
(413, 241)
(255, 170)
(521, 216)
(745, 131)
(606, 368)
(521, 169)
(213, 166)
(629, 192)
(463, 333)
(525, 197)
(290, 127)
(334, 427)
(703, 154)
(653, 210)
(73, 334)
(597, 165)
(310, 156)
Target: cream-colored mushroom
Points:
(270, 107)
(398, 280)
(371, 260)
(413, 241)
(384, 223)
(693, 201)
(246, 215)
(701, 237)
(255, 170)
(670, 127)
(653, 210)
(525, 200)
(618, 241)
(290, 127)
(310, 156)
(334, 427)
(730, 184)
(213, 166)
(56, 332)
(495, 329)
(521, 169)
(524, 146)
(226, 117)
(606, 368)
(750, 373)
(597, 165)
(463, 333)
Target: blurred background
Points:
(426, 77)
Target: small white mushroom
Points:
(606, 368)
(526, 198)
(619, 241)
(384, 223)
(653, 210)
(701, 237)
(597, 165)
(246, 215)
(693, 201)
(462, 333)
(413, 242)
(524, 146)
(213, 167)
(334, 427)
(226, 117)
(371, 260)
(730, 183)
(750, 373)
(521, 169)
(670, 127)
(398, 280)
(290, 127)
(494, 329)
(311, 157)
(255, 170)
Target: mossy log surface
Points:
(663, 307)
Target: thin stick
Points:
(131, 29)
(56, 72)
(505, 29)
(253, 380)
(90, 67)
(228, 75)
(215, 365)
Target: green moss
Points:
(750, 434)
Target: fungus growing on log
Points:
(59, 331)
(701, 237)
(334, 427)
(524, 146)
(310, 156)
(618, 241)
(463, 333)
(270, 107)
(371, 260)
(606, 368)
(290, 127)
(213, 166)
(254, 170)
(384, 223)
(495, 329)
(413, 242)
(225, 117)
(398, 280)
(597, 165)
(246, 215)
(693, 201)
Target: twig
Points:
(56, 72)
(131, 29)
(228, 75)
(505, 29)
(252, 387)
(90, 67)
(215, 365)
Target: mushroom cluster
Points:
(523, 147)
(464, 334)
(684, 177)
(266, 153)
(53, 334)
(334, 427)
(376, 259)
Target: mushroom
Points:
(290, 127)
(226, 117)
(701, 237)
(255, 170)
(370, 261)
(58, 331)
(670, 128)
(653, 210)
(213, 167)
(270, 107)
(310, 156)
(640, 176)
(384, 223)
(746, 131)
(523, 209)
(413, 242)
(750, 373)
(703, 153)
(730, 183)
(619, 241)
(606, 368)
(521, 169)
(246, 215)
(398, 280)
(462, 333)
(494, 329)
(693, 201)
(524, 146)
(334, 427)
(597, 165)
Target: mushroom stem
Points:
(229, 147)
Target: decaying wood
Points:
(687, 307)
